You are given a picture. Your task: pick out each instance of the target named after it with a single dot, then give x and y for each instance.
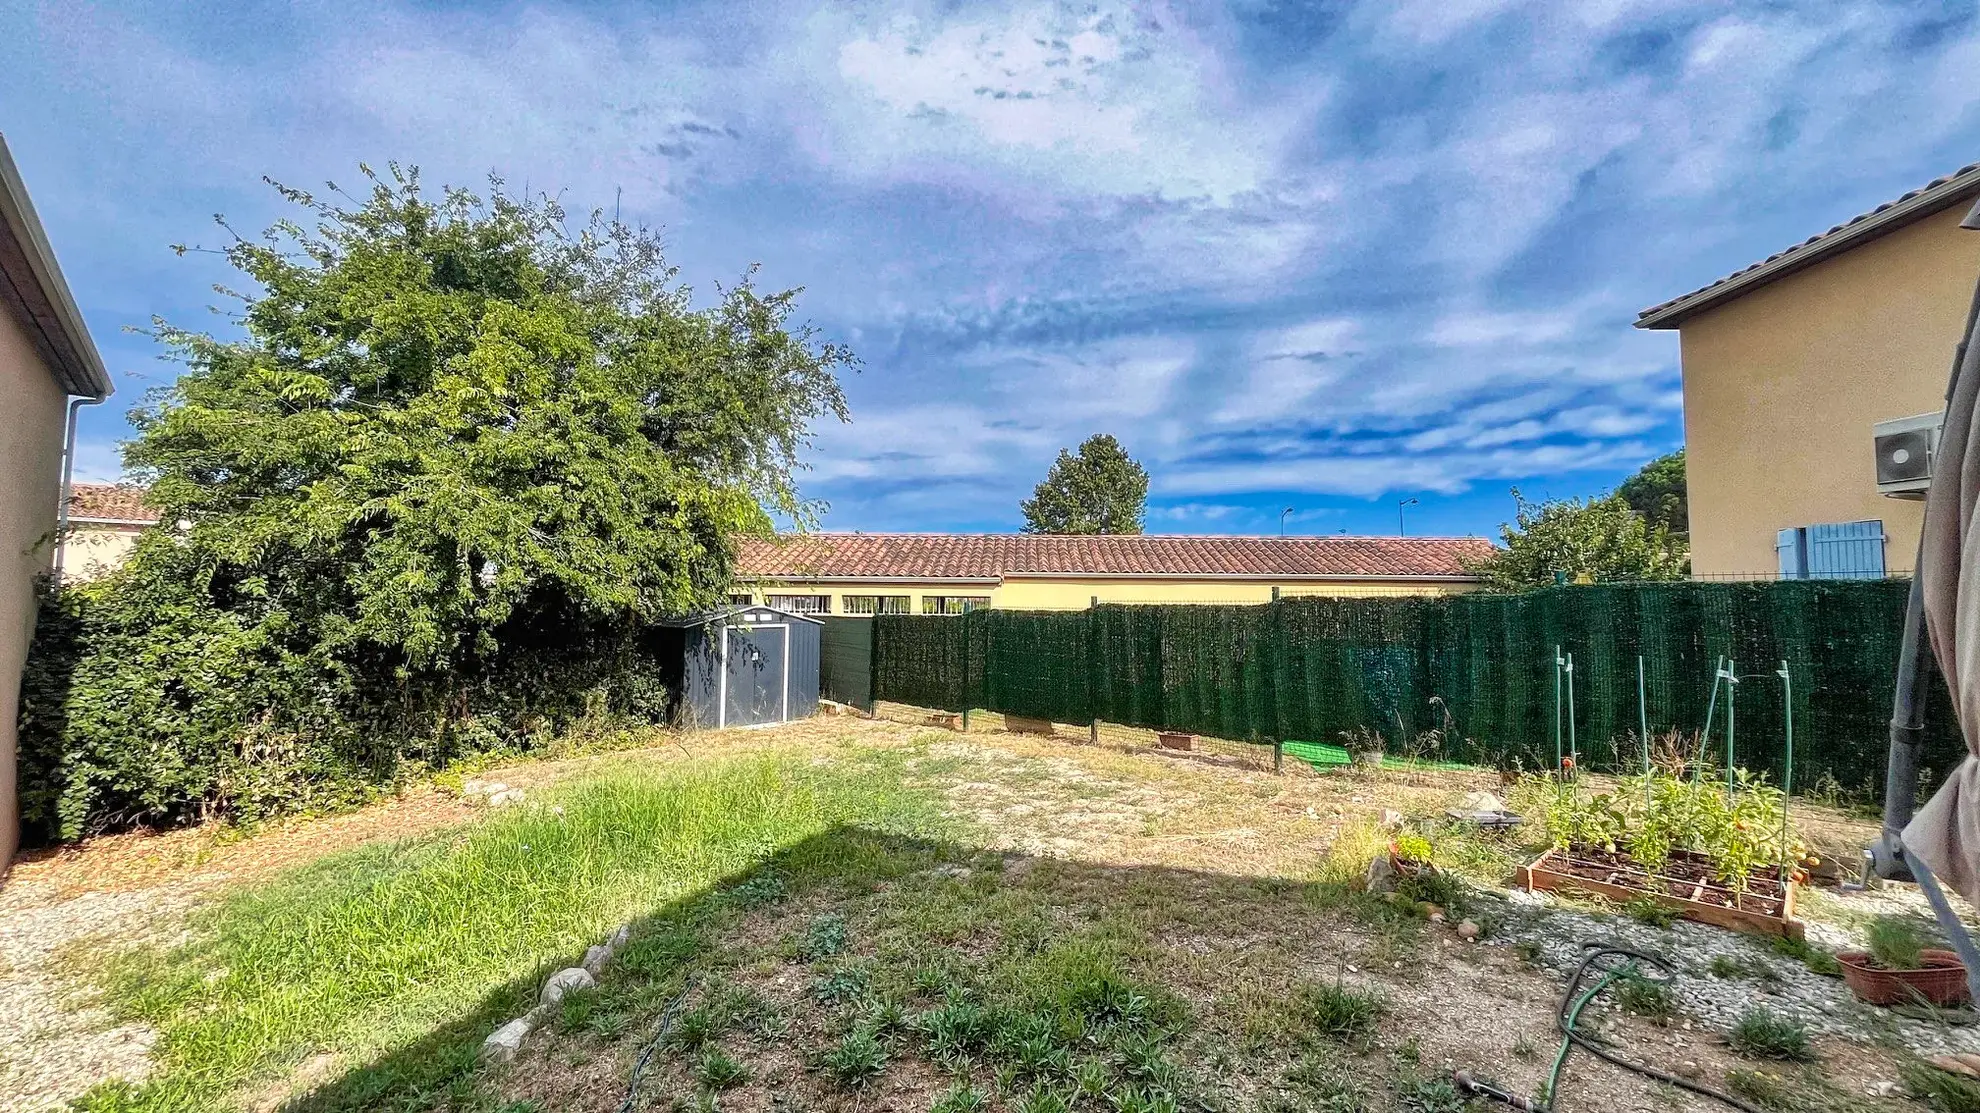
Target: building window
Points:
(800, 604)
(876, 604)
(1836, 551)
(741, 599)
(952, 604)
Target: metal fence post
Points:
(1278, 756)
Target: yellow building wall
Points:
(1782, 385)
(31, 460)
(94, 550)
(1076, 594)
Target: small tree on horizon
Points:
(1099, 489)
(1657, 493)
(1601, 538)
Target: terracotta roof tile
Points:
(109, 502)
(992, 556)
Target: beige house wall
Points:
(1782, 385)
(31, 461)
(94, 549)
(1076, 593)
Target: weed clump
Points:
(1765, 1034)
(960, 1099)
(826, 937)
(858, 1059)
(718, 1071)
(1651, 912)
(1645, 997)
(1341, 1012)
(1815, 958)
(1943, 1091)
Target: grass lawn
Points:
(868, 916)
(374, 950)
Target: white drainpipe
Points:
(68, 477)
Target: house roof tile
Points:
(945, 556)
(1932, 197)
(108, 502)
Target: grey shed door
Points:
(754, 675)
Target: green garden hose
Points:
(1613, 963)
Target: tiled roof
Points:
(944, 556)
(1934, 196)
(109, 502)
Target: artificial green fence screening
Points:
(1314, 669)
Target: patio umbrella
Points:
(1943, 838)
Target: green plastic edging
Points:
(1320, 755)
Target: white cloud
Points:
(1105, 100)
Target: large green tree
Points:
(1599, 539)
(1657, 492)
(1099, 489)
(457, 454)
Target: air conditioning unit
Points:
(1905, 447)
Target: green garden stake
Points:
(1732, 683)
(1711, 709)
(1574, 752)
(1643, 731)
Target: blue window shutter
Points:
(1791, 546)
(1846, 551)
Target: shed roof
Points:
(1935, 196)
(953, 556)
(703, 618)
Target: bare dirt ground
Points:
(1201, 857)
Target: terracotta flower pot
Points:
(1940, 980)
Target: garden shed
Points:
(741, 666)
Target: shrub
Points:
(456, 459)
(1765, 1034)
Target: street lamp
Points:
(1400, 532)
(1282, 520)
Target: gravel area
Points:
(1776, 982)
(56, 1043)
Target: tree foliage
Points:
(1601, 539)
(459, 455)
(1099, 489)
(1657, 493)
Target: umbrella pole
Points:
(1887, 858)
(1787, 774)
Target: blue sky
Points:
(1319, 255)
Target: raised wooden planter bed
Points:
(947, 719)
(1685, 884)
(1018, 724)
(1175, 740)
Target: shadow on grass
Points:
(441, 1070)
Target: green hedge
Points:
(1312, 668)
(146, 703)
